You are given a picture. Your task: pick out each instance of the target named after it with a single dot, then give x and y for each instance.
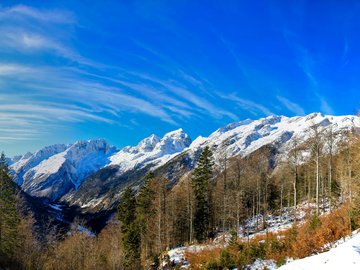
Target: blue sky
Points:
(122, 70)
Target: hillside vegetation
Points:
(212, 199)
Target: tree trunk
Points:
(317, 181)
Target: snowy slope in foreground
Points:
(344, 256)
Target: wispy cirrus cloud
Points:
(201, 104)
(325, 107)
(48, 112)
(26, 41)
(72, 90)
(248, 105)
(291, 106)
(26, 12)
(309, 64)
(30, 30)
(95, 102)
(11, 69)
(345, 53)
(108, 96)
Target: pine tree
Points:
(201, 176)
(130, 230)
(9, 216)
(145, 212)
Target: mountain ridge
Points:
(63, 172)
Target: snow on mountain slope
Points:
(55, 170)
(344, 256)
(151, 150)
(21, 164)
(242, 138)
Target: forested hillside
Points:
(321, 173)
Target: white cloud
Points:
(325, 107)
(36, 96)
(25, 41)
(199, 103)
(22, 11)
(29, 30)
(248, 105)
(12, 69)
(291, 106)
(5, 139)
(46, 113)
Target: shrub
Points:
(297, 242)
(227, 260)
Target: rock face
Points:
(92, 174)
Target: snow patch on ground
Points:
(262, 264)
(344, 256)
(276, 222)
(56, 207)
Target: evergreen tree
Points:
(130, 230)
(144, 199)
(9, 217)
(201, 176)
(145, 212)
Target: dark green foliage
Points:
(314, 222)
(281, 262)
(273, 196)
(144, 201)
(9, 216)
(202, 191)
(257, 250)
(127, 208)
(145, 212)
(130, 230)
(233, 238)
(226, 260)
(212, 265)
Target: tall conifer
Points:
(202, 191)
(130, 230)
(9, 216)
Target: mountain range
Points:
(92, 174)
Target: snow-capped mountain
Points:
(244, 137)
(93, 173)
(151, 150)
(127, 167)
(22, 164)
(54, 170)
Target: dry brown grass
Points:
(200, 259)
(314, 236)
